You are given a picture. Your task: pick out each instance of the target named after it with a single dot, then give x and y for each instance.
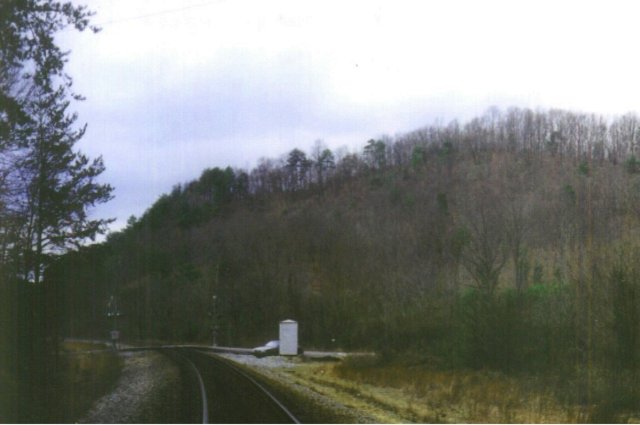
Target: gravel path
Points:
(143, 392)
(269, 362)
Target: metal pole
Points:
(113, 312)
(214, 320)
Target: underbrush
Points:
(64, 388)
(81, 378)
(57, 388)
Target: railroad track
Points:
(227, 393)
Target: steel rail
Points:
(203, 392)
(220, 361)
(258, 385)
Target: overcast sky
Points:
(176, 86)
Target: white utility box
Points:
(288, 338)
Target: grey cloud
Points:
(235, 96)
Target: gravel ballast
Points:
(144, 392)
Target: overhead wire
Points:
(154, 14)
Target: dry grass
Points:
(77, 346)
(415, 394)
(366, 405)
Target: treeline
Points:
(509, 242)
(47, 187)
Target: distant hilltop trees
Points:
(573, 137)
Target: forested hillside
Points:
(510, 242)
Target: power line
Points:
(151, 15)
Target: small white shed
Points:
(288, 338)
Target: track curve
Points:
(230, 394)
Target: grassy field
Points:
(402, 393)
(460, 396)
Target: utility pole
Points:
(113, 312)
(590, 277)
(213, 313)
